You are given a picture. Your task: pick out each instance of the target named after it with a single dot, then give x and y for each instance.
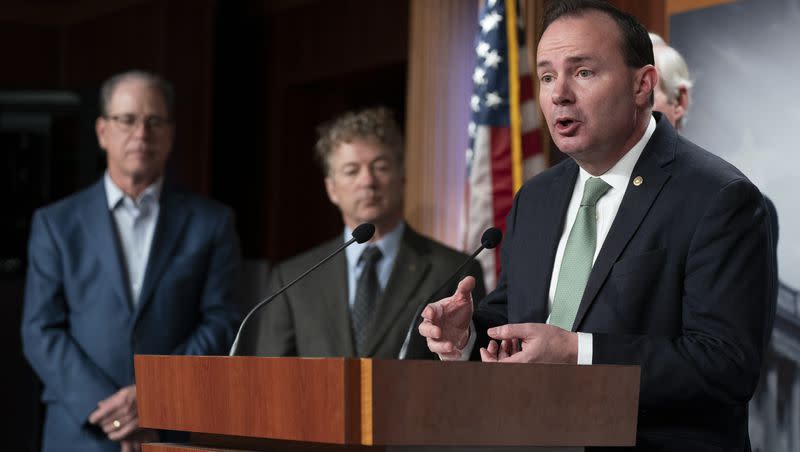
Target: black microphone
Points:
(362, 233)
(490, 239)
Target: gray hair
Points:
(673, 73)
(152, 79)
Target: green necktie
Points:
(578, 255)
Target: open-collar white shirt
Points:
(135, 221)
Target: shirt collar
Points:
(389, 244)
(115, 195)
(619, 174)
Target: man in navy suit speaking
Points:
(126, 266)
(641, 248)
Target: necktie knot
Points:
(593, 190)
(370, 256)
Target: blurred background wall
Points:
(743, 59)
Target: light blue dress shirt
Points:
(389, 245)
(136, 222)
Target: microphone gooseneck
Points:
(362, 233)
(489, 240)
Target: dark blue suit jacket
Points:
(80, 329)
(681, 286)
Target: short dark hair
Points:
(155, 80)
(372, 123)
(637, 49)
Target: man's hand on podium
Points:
(531, 343)
(445, 323)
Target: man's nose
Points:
(366, 176)
(562, 91)
(141, 129)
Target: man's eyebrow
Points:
(570, 60)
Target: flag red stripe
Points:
(525, 88)
(502, 181)
(531, 143)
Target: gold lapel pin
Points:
(638, 180)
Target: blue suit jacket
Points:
(682, 286)
(79, 327)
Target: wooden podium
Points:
(250, 403)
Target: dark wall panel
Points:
(280, 72)
(31, 56)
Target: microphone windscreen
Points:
(364, 231)
(491, 238)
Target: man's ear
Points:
(330, 188)
(681, 103)
(100, 126)
(645, 83)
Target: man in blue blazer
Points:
(641, 248)
(125, 266)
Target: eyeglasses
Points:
(129, 122)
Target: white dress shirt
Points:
(618, 177)
(136, 221)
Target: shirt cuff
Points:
(585, 348)
(466, 352)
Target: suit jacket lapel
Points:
(99, 224)
(335, 301)
(172, 217)
(552, 221)
(410, 268)
(635, 205)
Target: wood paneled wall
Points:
(324, 59)
(651, 13)
(682, 6)
(441, 59)
(75, 46)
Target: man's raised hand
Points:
(445, 323)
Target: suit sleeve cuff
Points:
(585, 348)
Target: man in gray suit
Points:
(362, 302)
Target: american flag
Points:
(505, 144)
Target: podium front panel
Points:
(295, 399)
